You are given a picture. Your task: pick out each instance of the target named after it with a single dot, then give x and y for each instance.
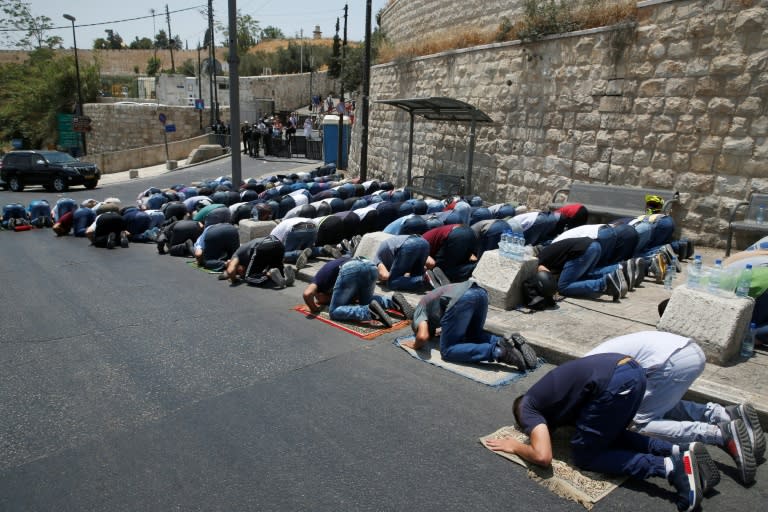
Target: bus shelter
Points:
(442, 109)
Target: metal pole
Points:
(410, 151)
(200, 83)
(215, 86)
(366, 93)
(470, 155)
(211, 66)
(170, 38)
(234, 96)
(341, 163)
(79, 108)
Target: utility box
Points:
(331, 140)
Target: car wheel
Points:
(59, 184)
(15, 184)
(91, 184)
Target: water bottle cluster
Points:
(512, 245)
(711, 278)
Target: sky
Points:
(189, 24)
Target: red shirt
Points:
(436, 237)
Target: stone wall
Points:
(289, 91)
(406, 21)
(116, 127)
(677, 101)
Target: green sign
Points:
(68, 137)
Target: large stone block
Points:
(250, 229)
(205, 152)
(503, 278)
(717, 322)
(369, 244)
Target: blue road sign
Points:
(162, 118)
(170, 128)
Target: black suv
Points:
(53, 170)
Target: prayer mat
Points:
(490, 374)
(366, 330)
(562, 478)
(193, 264)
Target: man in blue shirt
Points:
(600, 395)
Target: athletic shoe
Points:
(111, 241)
(431, 280)
(355, 243)
(686, 480)
(628, 267)
(123, 241)
(623, 286)
(378, 314)
(440, 276)
(276, 277)
(290, 275)
(709, 475)
(303, 258)
(510, 355)
(736, 442)
(332, 251)
(346, 246)
(641, 270)
(612, 286)
(190, 245)
(402, 305)
(746, 412)
(671, 255)
(11, 223)
(521, 344)
(658, 267)
(161, 247)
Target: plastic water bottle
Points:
(504, 244)
(748, 343)
(519, 246)
(694, 272)
(714, 277)
(744, 282)
(669, 275)
(760, 218)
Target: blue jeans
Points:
(606, 236)
(542, 229)
(409, 259)
(460, 214)
(356, 282)
(298, 240)
(602, 442)
(462, 338)
(489, 240)
(571, 283)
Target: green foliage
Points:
(33, 92)
(247, 32)
(144, 43)
(334, 66)
(113, 41)
(271, 32)
(35, 29)
(352, 72)
(164, 43)
(153, 66)
(545, 17)
(187, 68)
(285, 60)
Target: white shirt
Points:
(587, 230)
(651, 349)
(286, 225)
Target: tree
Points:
(247, 32)
(187, 68)
(114, 40)
(153, 66)
(161, 40)
(33, 92)
(352, 73)
(33, 28)
(271, 32)
(334, 66)
(144, 43)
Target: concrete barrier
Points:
(717, 322)
(205, 152)
(250, 229)
(369, 244)
(503, 278)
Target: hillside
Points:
(125, 62)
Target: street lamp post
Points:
(79, 109)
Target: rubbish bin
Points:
(331, 140)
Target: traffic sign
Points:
(81, 123)
(170, 128)
(162, 118)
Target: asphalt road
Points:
(130, 381)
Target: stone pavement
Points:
(577, 325)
